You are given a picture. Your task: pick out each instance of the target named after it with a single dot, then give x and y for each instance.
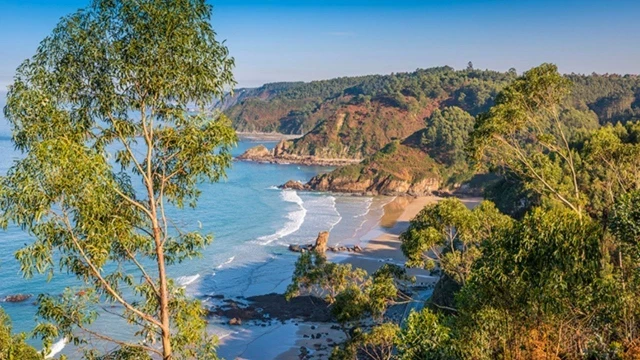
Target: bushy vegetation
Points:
(13, 346)
(556, 275)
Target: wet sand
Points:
(381, 245)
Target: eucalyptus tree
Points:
(103, 115)
(448, 235)
(523, 133)
(14, 346)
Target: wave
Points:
(187, 280)
(57, 348)
(369, 201)
(296, 218)
(335, 209)
(229, 261)
(273, 187)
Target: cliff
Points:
(397, 169)
(279, 155)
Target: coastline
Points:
(380, 245)
(263, 136)
(291, 336)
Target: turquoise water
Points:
(253, 222)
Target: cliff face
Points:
(355, 131)
(336, 129)
(279, 155)
(397, 169)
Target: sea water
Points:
(252, 221)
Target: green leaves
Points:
(102, 104)
(423, 337)
(14, 346)
(448, 234)
(523, 134)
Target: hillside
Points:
(398, 168)
(418, 122)
(353, 117)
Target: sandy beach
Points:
(381, 245)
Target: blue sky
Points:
(310, 39)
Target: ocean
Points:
(252, 221)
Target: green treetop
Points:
(118, 75)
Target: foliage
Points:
(100, 112)
(355, 297)
(314, 274)
(523, 134)
(448, 234)
(423, 337)
(446, 134)
(378, 344)
(14, 346)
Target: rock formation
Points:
(321, 246)
(321, 242)
(280, 155)
(17, 298)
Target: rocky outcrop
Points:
(321, 242)
(280, 155)
(293, 185)
(321, 246)
(257, 153)
(380, 185)
(17, 298)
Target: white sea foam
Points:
(57, 348)
(229, 261)
(273, 187)
(335, 209)
(187, 280)
(295, 218)
(363, 216)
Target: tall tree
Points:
(448, 235)
(102, 108)
(524, 134)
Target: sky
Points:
(284, 40)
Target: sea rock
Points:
(321, 242)
(235, 321)
(281, 148)
(295, 248)
(281, 155)
(256, 153)
(17, 298)
(293, 185)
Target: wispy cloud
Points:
(341, 33)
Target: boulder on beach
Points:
(235, 321)
(295, 248)
(321, 242)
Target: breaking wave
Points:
(295, 218)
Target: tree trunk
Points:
(164, 295)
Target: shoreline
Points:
(313, 337)
(299, 160)
(263, 136)
(380, 245)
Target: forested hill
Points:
(353, 117)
